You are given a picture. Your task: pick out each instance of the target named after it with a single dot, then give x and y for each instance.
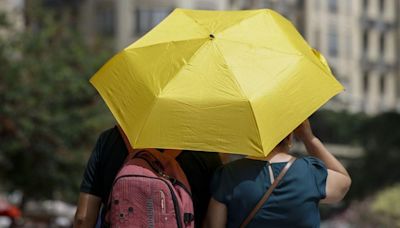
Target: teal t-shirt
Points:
(294, 202)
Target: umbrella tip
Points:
(212, 36)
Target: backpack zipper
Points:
(174, 199)
(162, 196)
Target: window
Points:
(381, 6)
(348, 45)
(105, 18)
(365, 40)
(317, 42)
(300, 4)
(332, 6)
(264, 4)
(382, 84)
(365, 82)
(382, 44)
(349, 7)
(146, 19)
(333, 42)
(365, 5)
(317, 5)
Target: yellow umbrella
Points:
(227, 81)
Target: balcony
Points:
(379, 65)
(384, 26)
(366, 22)
(381, 24)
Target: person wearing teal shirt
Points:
(238, 186)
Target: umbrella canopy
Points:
(226, 81)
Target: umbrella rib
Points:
(243, 19)
(234, 79)
(155, 99)
(244, 95)
(196, 22)
(244, 43)
(147, 118)
(268, 48)
(284, 31)
(320, 67)
(163, 43)
(190, 18)
(256, 123)
(184, 65)
(303, 54)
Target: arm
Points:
(90, 190)
(87, 211)
(338, 181)
(216, 215)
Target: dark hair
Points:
(283, 142)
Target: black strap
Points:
(154, 163)
(267, 193)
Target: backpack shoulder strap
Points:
(267, 194)
(172, 152)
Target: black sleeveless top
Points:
(109, 154)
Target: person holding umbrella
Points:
(233, 82)
(106, 160)
(238, 189)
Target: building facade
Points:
(359, 38)
(124, 21)
(12, 10)
(294, 10)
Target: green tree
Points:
(337, 127)
(380, 138)
(49, 113)
(386, 206)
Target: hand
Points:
(303, 132)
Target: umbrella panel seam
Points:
(243, 19)
(268, 48)
(256, 12)
(131, 48)
(161, 91)
(244, 95)
(301, 37)
(195, 21)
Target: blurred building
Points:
(124, 21)
(12, 10)
(360, 39)
(294, 10)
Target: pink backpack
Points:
(151, 190)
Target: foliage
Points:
(380, 138)
(50, 115)
(387, 206)
(378, 210)
(337, 127)
(360, 214)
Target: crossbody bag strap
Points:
(267, 193)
